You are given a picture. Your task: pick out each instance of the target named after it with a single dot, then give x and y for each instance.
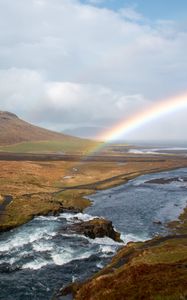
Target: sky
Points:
(66, 64)
(153, 10)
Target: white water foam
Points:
(74, 235)
(133, 238)
(63, 257)
(10, 261)
(36, 264)
(42, 247)
(107, 246)
(181, 179)
(107, 249)
(144, 151)
(100, 265)
(174, 149)
(163, 150)
(78, 217)
(104, 241)
(47, 218)
(25, 238)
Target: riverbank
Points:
(65, 194)
(42, 188)
(154, 269)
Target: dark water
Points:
(136, 207)
(37, 258)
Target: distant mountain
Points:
(13, 130)
(85, 132)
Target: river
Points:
(37, 258)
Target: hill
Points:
(17, 135)
(13, 130)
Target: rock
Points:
(157, 222)
(7, 115)
(130, 275)
(66, 293)
(166, 180)
(96, 228)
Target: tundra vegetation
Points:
(155, 269)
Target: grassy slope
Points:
(70, 145)
(152, 270)
(14, 130)
(18, 136)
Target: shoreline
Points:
(101, 281)
(74, 198)
(79, 200)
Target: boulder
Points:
(96, 228)
(157, 222)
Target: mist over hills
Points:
(88, 132)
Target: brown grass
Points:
(141, 271)
(15, 130)
(152, 270)
(33, 184)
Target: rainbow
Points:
(155, 111)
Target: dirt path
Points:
(123, 177)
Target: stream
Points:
(37, 258)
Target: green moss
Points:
(70, 145)
(180, 226)
(153, 270)
(170, 251)
(74, 199)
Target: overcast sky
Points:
(70, 63)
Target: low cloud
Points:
(64, 63)
(62, 102)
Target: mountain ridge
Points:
(14, 130)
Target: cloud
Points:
(62, 102)
(20, 89)
(130, 13)
(60, 105)
(63, 62)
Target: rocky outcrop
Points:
(7, 115)
(141, 270)
(166, 180)
(96, 228)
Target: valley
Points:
(51, 183)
